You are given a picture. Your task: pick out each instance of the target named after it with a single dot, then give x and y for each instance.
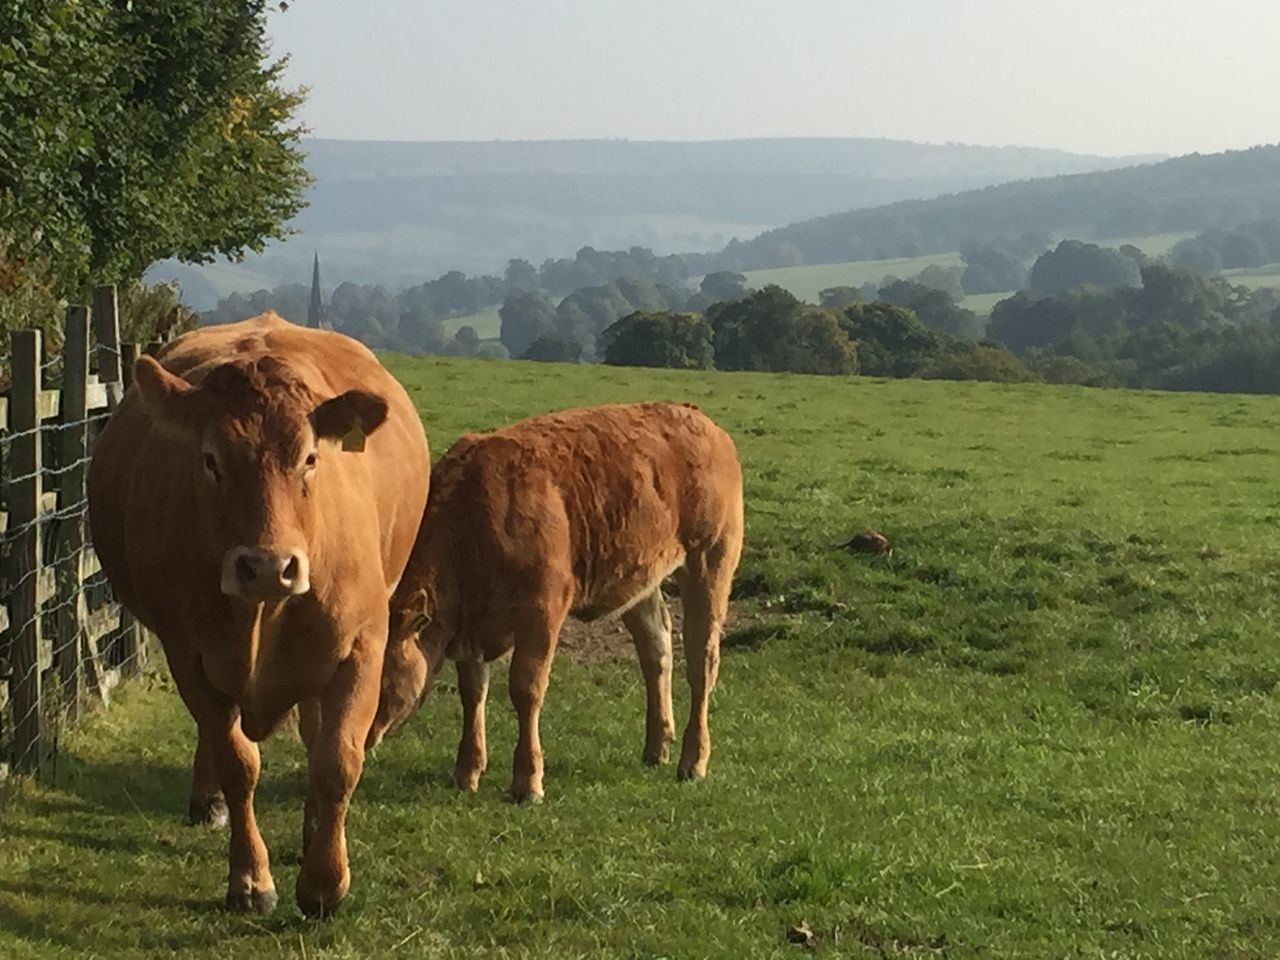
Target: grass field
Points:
(486, 323)
(807, 282)
(1046, 727)
(1255, 278)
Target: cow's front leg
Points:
(336, 758)
(235, 759)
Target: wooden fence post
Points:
(25, 496)
(106, 322)
(72, 449)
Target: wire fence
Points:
(65, 643)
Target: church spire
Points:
(315, 309)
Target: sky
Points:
(1113, 77)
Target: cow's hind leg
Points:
(649, 623)
(705, 582)
(207, 805)
(473, 688)
(535, 645)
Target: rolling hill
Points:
(1187, 193)
(400, 213)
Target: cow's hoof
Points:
(525, 796)
(655, 758)
(252, 901)
(689, 774)
(468, 781)
(208, 811)
(317, 909)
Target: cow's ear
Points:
(350, 417)
(166, 396)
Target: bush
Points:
(677, 340)
(981, 361)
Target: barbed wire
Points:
(84, 628)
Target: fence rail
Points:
(64, 641)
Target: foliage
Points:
(980, 361)
(891, 340)
(1193, 192)
(552, 348)
(681, 341)
(1073, 264)
(1250, 244)
(526, 317)
(132, 132)
(936, 308)
(152, 312)
(991, 268)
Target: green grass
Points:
(486, 323)
(807, 282)
(1046, 727)
(1255, 278)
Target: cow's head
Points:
(259, 443)
(407, 666)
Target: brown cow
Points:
(239, 515)
(583, 512)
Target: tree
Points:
(980, 361)
(520, 276)
(724, 285)
(988, 269)
(135, 132)
(815, 342)
(749, 331)
(525, 317)
(552, 348)
(836, 298)
(946, 279)
(1073, 264)
(664, 339)
(891, 341)
(936, 309)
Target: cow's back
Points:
(142, 507)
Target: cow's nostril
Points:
(245, 572)
(290, 572)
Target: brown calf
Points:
(582, 513)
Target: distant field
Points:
(1255, 278)
(1153, 245)
(486, 323)
(1046, 727)
(982, 303)
(807, 282)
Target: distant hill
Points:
(1188, 193)
(398, 213)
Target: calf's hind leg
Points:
(705, 583)
(649, 623)
(530, 672)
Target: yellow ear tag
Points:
(353, 441)
(419, 622)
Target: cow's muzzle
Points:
(259, 573)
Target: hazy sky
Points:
(1098, 76)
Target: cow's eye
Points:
(211, 467)
(310, 462)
